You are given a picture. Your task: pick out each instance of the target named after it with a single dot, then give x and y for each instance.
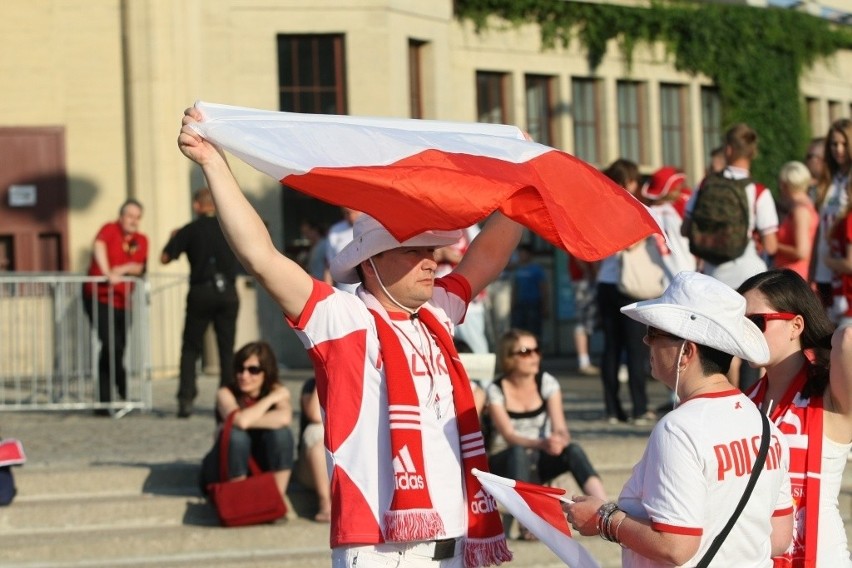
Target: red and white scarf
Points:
(800, 419)
(411, 516)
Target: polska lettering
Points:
(737, 456)
(484, 503)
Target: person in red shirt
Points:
(119, 251)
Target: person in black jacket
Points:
(212, 294)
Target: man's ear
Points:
(688, 352)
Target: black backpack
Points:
(718, 231)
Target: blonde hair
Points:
(795, 175)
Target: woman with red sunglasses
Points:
(807, 393)
(261, 428)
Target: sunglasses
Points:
(652, 333)
(760, 319)
(252, 370)
(526, 352)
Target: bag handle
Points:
(755, 472)
(224, 448)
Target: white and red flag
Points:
(539, 510)
(417, 175)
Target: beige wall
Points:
(64, 63)
(61, 65)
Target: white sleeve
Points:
(766, 216)
(494, 395)
(549, 386)
(675, 495)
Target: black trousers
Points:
(206, 305)
(535, 466)
(622, 335)
(112, 325)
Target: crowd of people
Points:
(749, 331)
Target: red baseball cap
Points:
(662, 182)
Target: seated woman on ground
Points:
(530, 439)
(312, 470)
(262, 424)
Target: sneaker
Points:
(623, 375)
(590, 370)
(646, 419)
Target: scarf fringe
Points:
(403, 525)
(486, 551)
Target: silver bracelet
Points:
(605, 514)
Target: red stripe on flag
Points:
(544, 502)
(559, 197)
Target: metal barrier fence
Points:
(49, 348)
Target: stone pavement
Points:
(145, 464)
(77, 437)
(76, 450)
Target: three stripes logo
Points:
(404, 473)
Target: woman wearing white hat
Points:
(699, 457)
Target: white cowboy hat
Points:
(706, 311)
(369, 238)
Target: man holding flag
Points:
(402, 433)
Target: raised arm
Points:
(288, 284)
(490, 251)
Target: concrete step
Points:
(48, 482)
(143, 515)
(150, 545)
(96, 513)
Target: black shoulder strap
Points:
(755, 472)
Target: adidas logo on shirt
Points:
(483, 503)
(404, 473)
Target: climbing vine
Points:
(755, 56)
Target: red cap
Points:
(663, 182)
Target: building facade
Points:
(94, 91)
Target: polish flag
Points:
(539, 510)
(416, 175)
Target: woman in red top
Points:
(798, 229)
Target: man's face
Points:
(129, 218)
(408, 273)
(814, 160)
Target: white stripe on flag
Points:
(566, 548)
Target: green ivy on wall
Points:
(755, 56)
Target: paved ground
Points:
(61, 445)
(158, 436)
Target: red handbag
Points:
(250, 501)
